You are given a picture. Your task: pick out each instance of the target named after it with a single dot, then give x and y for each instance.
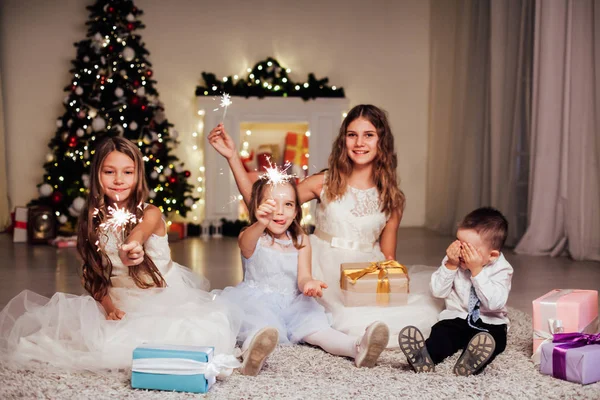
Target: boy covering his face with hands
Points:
(475, 280)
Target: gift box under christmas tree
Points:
(573, 357)
(563, 310)
(20, 225)
(374, 284)
(178, 368)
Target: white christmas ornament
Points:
(45, 190)
(98, 124)
(167, 171)
(80, 132)
(154, 136)
(86, 180)
(162, 178)
(98, 37)
(49, 157)
(119, 92)
(133, 125)
(103, 60)
(73, 212)
(128, 54)
(62, 219)
(66, 99)
(141, 91)
(188, 202)
(86, 59)
(153, 174)
(69, 123)
(59, 123)
(130, 17)
(119, 130)
(78, 203)
(179, 168)
(93, 112)
(152, 194)
(173, 133)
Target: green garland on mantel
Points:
(267, 79)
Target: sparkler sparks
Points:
(276, 176)
(225, 102)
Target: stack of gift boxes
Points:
(566, 341)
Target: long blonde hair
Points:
(97, 267)
(384, 168)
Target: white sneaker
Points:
(261, 347)
(372, 344)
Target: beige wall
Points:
(379, 53)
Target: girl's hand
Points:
(115, 314)
(222, 142)
(266, 211)
(473, 258)
(314, 288)
(131, 253)
(453, 253)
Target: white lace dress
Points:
(269, 294)
(348, 230)
(72, 331)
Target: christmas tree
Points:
(112, 93)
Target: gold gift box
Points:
(383, 283)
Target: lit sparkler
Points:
(276, 176)
(225, 102)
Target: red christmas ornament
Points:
(111, 48)
(136, 83)
(130, 26)
(73, 87)
(149, 72)
(111, 9)
(172, 179)
(72, 141)
(57, 197)
(187, 174)
(135, 100)
(143, 107)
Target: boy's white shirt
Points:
(492, 286)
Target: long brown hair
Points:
(258, 190)
(97, 267)
(384, 164)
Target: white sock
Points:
(334, 342)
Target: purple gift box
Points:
(573, 357)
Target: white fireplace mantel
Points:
(323, 116)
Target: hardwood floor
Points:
(46, 270)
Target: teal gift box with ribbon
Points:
(178, 368)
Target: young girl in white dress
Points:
(278, 291)
(138, 294)
(359, 210)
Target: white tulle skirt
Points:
(422, 309)
(72, 331)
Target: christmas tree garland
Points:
(268, 79)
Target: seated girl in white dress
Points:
(278, 292)
(138, 294)
(359, 210)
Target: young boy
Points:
(475, 280)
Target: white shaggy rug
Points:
(302, 372)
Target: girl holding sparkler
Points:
(359, 210)
(138, 294)
(277, 294)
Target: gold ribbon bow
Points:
(383, 282)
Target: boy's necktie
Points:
(474, 310)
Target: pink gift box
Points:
(570, 309)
